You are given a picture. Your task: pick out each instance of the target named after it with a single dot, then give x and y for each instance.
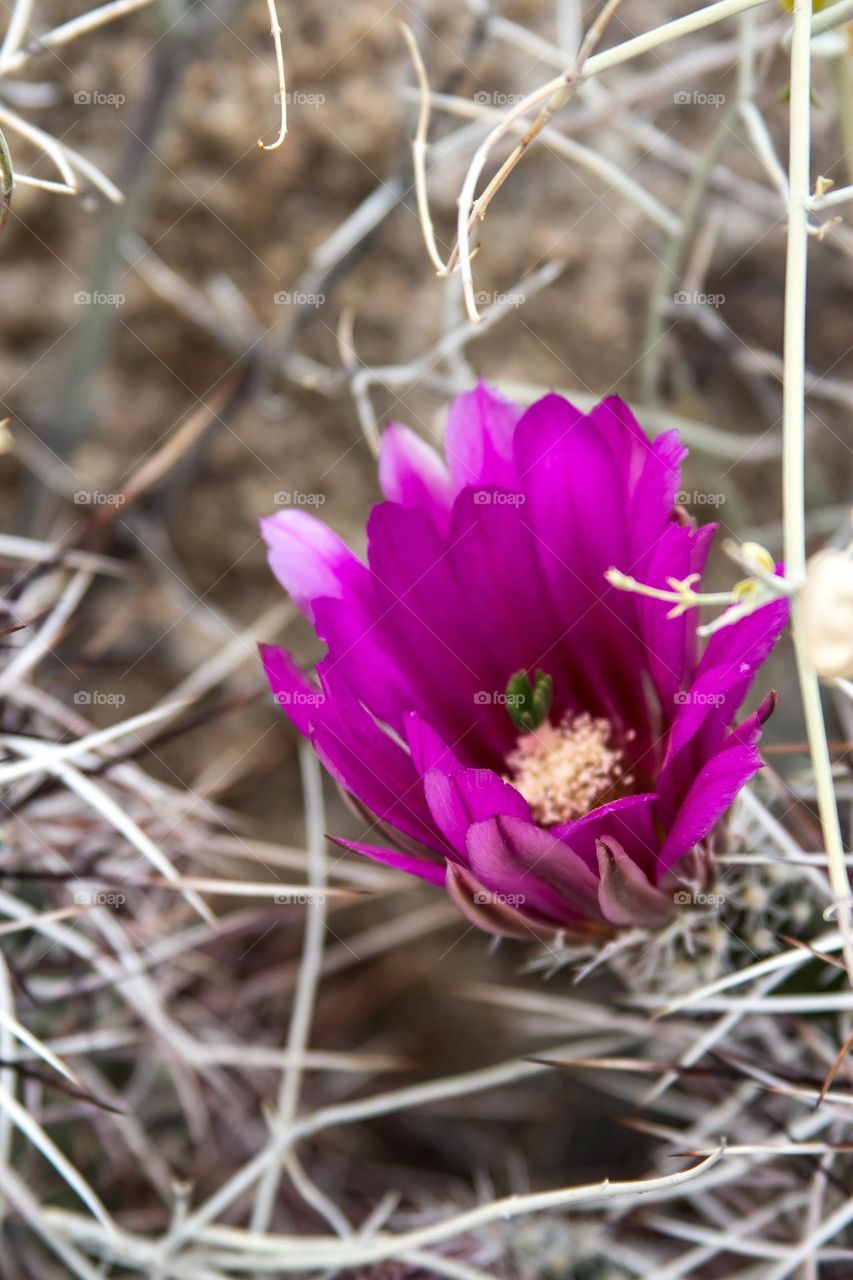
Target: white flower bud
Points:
(826, 602)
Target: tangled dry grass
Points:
(222, 1050)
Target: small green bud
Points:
(528, 705)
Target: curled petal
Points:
(458, 799)
(506, 852)
(629, 821)
(625, 895)
(494, 913)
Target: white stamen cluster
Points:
(565, 770)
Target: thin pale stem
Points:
(420, 146)
(275, 32)
(793, 458)
(554, 95)
(306, 987)
(16, 30)
(72, 30)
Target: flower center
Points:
(563, 771)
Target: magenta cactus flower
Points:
(511, 726)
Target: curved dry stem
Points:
(276, 33)
(243, 1251)
(555, 94)
(420, 148)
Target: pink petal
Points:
(309, 560)
(433, 872)
(413, 474)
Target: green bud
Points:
(528, 705)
